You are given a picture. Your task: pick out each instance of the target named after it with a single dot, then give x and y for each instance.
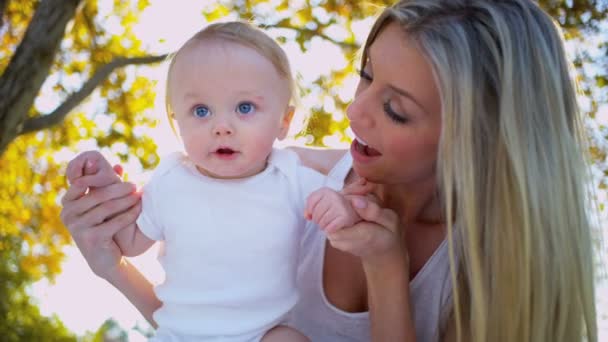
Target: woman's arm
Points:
(94, 212)
(321, 160)
(389, 299)
(378, 242)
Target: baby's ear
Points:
(286, 121)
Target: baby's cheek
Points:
(261, 145)
(194, 145)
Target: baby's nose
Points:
(223, 128)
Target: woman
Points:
(467, 121)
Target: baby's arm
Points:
(132, 241)
(330, 209)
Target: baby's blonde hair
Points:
(247, 35)
(511, 168)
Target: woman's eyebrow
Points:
(398, 90)
(408, 95)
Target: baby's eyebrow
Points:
(190, 96)
(251, 95)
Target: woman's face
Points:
(396, 113)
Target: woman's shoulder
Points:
(321, 160)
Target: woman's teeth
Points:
(363, 148)
(361, 141)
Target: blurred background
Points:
(84, 74)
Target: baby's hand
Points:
(91, 169)
(330, 210)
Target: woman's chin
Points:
(364, 171)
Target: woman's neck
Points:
(418, 204)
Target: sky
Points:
(83, 301)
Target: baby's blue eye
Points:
(201, 111)
(245, 108)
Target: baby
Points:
(231, 210)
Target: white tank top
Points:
(317, 318)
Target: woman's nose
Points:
(360, 109)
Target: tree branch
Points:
(317, 33)
(31, 63)
(2, 8)
(57, 116)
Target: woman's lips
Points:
(363, 148)
(363, 154)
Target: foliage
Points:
(31, 167)
(110, 331)
(31, 177)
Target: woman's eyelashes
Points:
(392, 114)
(364, 75)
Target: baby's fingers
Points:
(75, 167)
(334, 225)
(311, 203)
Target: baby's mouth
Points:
(225, 151)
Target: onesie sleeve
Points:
(311, 180)
(150, 221)
(303, 179)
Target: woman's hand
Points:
(377, 238)
(96, 206)
(378, 241)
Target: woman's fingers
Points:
(358, 187)
(371, 211)
(77, 206)
(106, 210)
(377, 233)
(110, 227)
(73, 193)
(118, 169)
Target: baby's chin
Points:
(228, 173)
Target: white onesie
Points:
(230, 247)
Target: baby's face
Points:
(230, 105)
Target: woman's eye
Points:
(393, 115)
(201, 111)
(245, 108)
(364, 75)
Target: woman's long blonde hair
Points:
(511, 168)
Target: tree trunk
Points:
(3, 4)
(30, 65)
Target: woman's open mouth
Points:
(363, 148)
